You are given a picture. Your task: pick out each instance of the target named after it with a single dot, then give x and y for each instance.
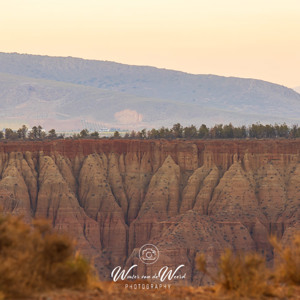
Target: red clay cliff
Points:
(186, 197)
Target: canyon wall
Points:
(185, 197)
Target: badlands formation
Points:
(185, 197)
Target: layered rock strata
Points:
(186, 197)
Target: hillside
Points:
(62, 105)
(112, 94)
(186, 198)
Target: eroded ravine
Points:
(113, 196)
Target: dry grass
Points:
(241, 275)
(247, 275)
(33, 258)
(288, 268)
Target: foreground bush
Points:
(247, 275)
(241, 275)
(33, 258)
(288, 269)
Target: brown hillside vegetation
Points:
(246, 275)
(36, 263)
(35, 259)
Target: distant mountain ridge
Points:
(133, 96)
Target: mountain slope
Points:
(154, 97)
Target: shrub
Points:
(241, 275)
(33, 258)
(247, 276)
(288, 270)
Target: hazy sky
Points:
(245, 38)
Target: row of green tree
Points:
(23, 133)
(38, 133)
(218, 131)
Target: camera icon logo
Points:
(149, 254)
